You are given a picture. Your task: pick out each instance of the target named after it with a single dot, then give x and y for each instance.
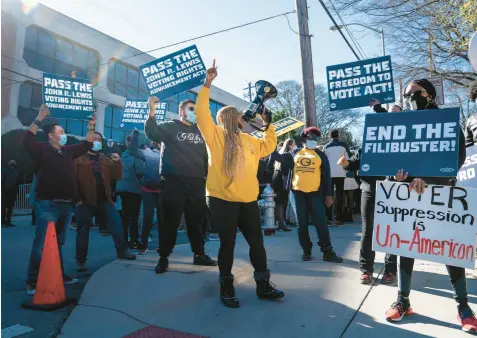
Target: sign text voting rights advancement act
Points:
(355, 84)
(424, 143)
(174, 73)
(136, 112)
(437, 226)
(67, 96)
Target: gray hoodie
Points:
(184, 153)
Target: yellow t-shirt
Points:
(243, 187)
(307, 171)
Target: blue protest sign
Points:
(355, 84)
(174, 73)
(424, 143)
(67, 96)
(466, 176)
(136, 112)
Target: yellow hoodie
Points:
(244, 186)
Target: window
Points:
(51, 53)
(112, 121)
(29, 102)
(126, 80)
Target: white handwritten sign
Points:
(437, 226)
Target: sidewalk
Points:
(322, 299)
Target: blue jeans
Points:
(311, 203)
(48, 211)
(150, 201)
(84, 215)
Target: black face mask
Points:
(420, 101)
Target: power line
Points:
(339, 30)
(210, 34)
(355, 42)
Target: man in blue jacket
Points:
(150, 186)
(129, 189)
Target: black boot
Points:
(306, 255)
(227, 292)
(266, 289)
(162, 265)
(125, 254)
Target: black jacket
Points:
(9, 179)
(287, 161)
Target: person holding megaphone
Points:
(232, 189)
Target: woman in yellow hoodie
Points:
(232, 189)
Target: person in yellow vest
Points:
(309, 181)
(232, 189)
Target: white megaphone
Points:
(473, 51)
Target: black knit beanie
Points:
(428, 86)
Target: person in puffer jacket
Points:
(150, 188)
(420, 95)
(471, 126)
(129, 189)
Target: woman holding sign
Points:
(232, 189)
(420, 95)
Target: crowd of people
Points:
(207, 172)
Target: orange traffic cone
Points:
(50, 290)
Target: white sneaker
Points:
(214, 237)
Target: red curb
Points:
(160, 332)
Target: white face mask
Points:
(191, 117)
(311, 144)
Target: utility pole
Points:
(249, 88)
(306, 63)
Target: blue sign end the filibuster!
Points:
(355, 84)
(174, 73)
(423, 143)
(136, 112)
(68, 97)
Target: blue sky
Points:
(267, 50)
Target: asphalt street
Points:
(16, 246)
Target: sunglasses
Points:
(417, 92)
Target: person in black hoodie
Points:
(420, 95)
(183, 170)
(368, 189)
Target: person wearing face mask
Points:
(279, 180)
(56, 189)
(129, 189)
(150, 187)
(232, 189)
(95, 172)
(368, 189)
(420, 95)
(184, 159)
(310, 185)
(9, 192)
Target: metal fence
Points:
(22, 204)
